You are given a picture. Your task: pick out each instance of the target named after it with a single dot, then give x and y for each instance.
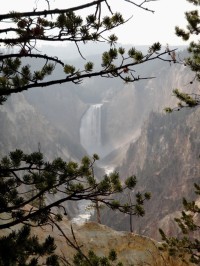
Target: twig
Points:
(141, 5)
(79, 51)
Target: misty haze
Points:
(99, 139)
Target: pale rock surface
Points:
(131, 249)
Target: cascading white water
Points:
(90, 130)
(90, 138)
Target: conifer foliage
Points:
(64, 25)
(20, 248)
(187, 244)
(26, 180)
(193, 61)
(72, 181)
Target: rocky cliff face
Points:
(61, 106)
(24, 127)
(165, 159)
(126, 110)
(125, 107)
(131, 249)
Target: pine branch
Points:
(50, 12)
(54, 59)
(77, 78)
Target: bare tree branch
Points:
(141, 4)
(50, 12)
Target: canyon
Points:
(126, 125)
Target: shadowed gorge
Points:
(99, 138)
(128, 130)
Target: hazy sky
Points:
(143, 28)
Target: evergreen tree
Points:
(21, 172)
(193, 61)
(93, 259)
(72, 181)
(20, 248)
(188, 244)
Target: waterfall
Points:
(90, 130)
(90, 139)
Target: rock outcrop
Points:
(131, 249)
